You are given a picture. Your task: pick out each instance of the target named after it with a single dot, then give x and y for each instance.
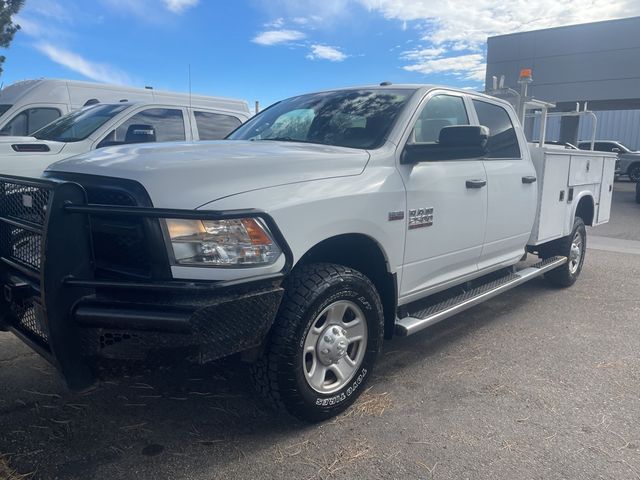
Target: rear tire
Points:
(634, 172)
(574, 247)
(324, 343)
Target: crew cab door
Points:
(446, 203)
(512, 187)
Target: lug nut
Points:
(325, 351)
(336, 331)
(328, 338)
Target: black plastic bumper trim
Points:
(133, 318)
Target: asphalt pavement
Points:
(538, 383)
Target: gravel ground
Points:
(538, 383)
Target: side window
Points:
(215, 126)
(30, 120)
(441, 111)
(503, 142)
(151, 125)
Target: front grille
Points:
(26, 205)
(23, 210)
(25, 314)
(119, 243)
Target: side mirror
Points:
(455, 143)
(616, 150)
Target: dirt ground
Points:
(538, 383)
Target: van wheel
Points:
(324, 343)
(574, 247)
(634, 172)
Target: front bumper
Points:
(52, 299)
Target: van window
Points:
(503, 142)
(151, 125)
(215, 126)
(78, 125)
(29, 121)
(4, 107)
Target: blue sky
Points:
(267, 50)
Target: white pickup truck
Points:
(321, 226)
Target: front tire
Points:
(574, 247)
(324, 344)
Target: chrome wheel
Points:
(334, 347)
(575, 255)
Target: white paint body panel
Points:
(315, 192)
(564, 178)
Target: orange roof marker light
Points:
(526, 75)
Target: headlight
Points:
(224, 243)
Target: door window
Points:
(441, 111)
(151, 125)
(215, 126)
(503, 141)
(29, 121)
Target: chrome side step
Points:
(447, 308)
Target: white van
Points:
(29, 105)
(111, 124)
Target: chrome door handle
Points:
(476, 183)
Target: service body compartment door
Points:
(553, 172)
(606, 190)
(586, 169)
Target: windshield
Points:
(345, 118)
(80, 124)
(4, 107)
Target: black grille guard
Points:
(47, 264)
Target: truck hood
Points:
(7, 142)
(188, 175)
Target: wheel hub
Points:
(575, 252)
(332, 344)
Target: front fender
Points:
(309, 212)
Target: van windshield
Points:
(79, 125)
(346, 118)
(4, 107)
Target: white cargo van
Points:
(28, 105)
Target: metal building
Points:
(597, 63)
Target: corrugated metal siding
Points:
(620, 125)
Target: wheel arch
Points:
(585, 209)
(363, 253)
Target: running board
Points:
(447, 308)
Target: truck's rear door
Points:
(511, 189)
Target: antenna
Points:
(189, 85)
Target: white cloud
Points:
(464, 25)
(325, 52)
(277, 23)
(471, 21)
(469, 67)
(179, 6)
(274, 37)
(95, 71)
